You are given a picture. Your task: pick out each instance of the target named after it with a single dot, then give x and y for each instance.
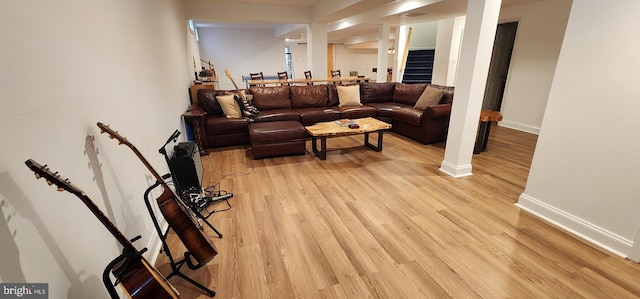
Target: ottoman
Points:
(277, 138)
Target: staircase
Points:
(419, 66)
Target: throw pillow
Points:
(229, 106)
(430, 96)
(349, 95)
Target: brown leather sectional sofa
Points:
(390, 102)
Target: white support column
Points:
(317, 49)
(383, 54)
(477, 45)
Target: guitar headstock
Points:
(53, 178)
(226, 71)
(113, 134)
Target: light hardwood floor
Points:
(366, 224)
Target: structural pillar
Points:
(473, 68)
(383, 54)
(317, 49)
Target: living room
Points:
(70, 64)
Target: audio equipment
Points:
(186, 166)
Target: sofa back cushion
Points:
(332, 93)
(272, 97)
(309, 96)
(447, 98)
(406, 93)
(377, 92)
(207, 100)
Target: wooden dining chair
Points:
(336, 74)
(283, 76)
(307, 75)
(257, 76)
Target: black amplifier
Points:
(186, 166)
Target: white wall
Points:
(536, 49)
(352, 59)
(300, 62)
(584, 174)
(242, 51)
(424, 36)
(65, 66)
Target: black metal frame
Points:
(175, 265)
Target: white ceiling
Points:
(362, 17)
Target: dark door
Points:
(499, 67)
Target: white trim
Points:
(456, 171)
(519, 126)
(155, 245)
(577, 226)
(634, 253)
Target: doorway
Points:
(499, 66)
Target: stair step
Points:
(419, 66)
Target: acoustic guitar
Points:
(136, 276)
(180, 218)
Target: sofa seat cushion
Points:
(383, 109)
(408, 115)
(310, 116)
(309, 96)
(220, 125)
(354, 112)
(278, 115)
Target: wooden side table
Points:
(196, 119)
(486, 118)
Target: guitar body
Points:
(189, 232)
(177, 214)
(140, 280)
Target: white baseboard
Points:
(519, 126)
(456, 171)
(577, 226)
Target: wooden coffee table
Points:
(332, 129)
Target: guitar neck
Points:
(107, 223)
(64, 185)
(114, 135)
(146, 163)
(233, 81)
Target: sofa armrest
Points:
(194, 111)
(195, 115)
(438, 111)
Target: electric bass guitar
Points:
(137, 277)
(248, 110)
(180, 218)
